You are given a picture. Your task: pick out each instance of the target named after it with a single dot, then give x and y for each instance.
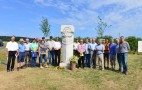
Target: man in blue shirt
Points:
(99, 54)
(21, 50)
(112, 47)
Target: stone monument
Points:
(139, 46)
(67, 32)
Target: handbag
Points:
(34, 55)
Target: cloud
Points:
(123, 15)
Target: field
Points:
(82, 79)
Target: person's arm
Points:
(37, 48)
(78, 49)
(7, 50)
(89, 47)
(39, 51)
(84, 49)
(55, 46)
(17, 49)
(128, 46)
(60, 46)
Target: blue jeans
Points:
(119, 62)
(33, 63)
(87, 58)
(52, 56)
(124, 60)
(42, 56)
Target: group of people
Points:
(92, 54)
(28, 53)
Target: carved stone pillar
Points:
(67, 32)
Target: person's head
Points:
(81, 41)
(37, 39)
(112, 41)
(117, 41)
(87, 40)
(21, 40)
(42, 41)
(13, 38)
(122, 39)
(34, 40)
(106, 40)
(76, 40)
(99, 41)
(90, 40)
(57, 38)
(93, 40)
(51, 37)
(27, 40)
(43, 38)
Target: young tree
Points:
(45, 27)
(101, 27)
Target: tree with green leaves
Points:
(101, 27)
(45, 27)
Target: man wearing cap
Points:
(21, 49)
(51, 47)
(11, 50)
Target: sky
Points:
(22, 17)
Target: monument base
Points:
(65, 65)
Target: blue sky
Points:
(22, 17)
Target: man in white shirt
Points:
(27, 52)
(93, 52)
(51, 47)
(57, 51)
(75, 45)
(11, 50)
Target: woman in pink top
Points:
(81, 49)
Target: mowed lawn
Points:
(82, 79)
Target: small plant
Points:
(74, 59)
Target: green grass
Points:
(2, 59)
(82, 79)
